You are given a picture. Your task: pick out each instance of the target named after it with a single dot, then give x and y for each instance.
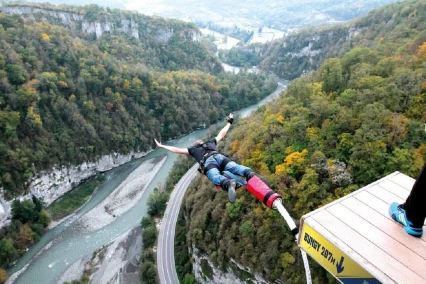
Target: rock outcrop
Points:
(76, 22)
(52, 184)
(205, 272)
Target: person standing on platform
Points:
(412, 213)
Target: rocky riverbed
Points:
(119, 261)
(124, 197)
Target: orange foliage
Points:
(419, 157)
(281, 169)
(258, 211)
(3, 275)
(312, 132)
(33, 82)
(317, 89)
(274, 118)
(421, 53)
(280, 119)
(126, 84)
(45, 37)
(63, 84)
(256, 158)
(296, 158)
(294, 162)
(109, 106)
(35, 116)
(235, 145)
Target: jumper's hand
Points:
(158, 143)
(230, 118)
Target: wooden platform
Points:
(357, 240)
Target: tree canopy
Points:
(357, 118)
(66, 97)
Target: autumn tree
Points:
(3, 275)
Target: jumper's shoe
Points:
(232, 194)
(251, 174)
(399, 215)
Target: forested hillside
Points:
(304, 51)
(356, 119)
(68, 96)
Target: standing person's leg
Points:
(412, 213)
(415, 205)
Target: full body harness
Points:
(202, 169)
(210, 153)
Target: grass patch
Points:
(74, 199)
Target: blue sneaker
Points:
(398, 214)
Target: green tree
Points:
(149, 235)
(8, 252)
(148, 273)
(44, 218)
(234, 210)
(146, 222)
(189, 279)
(331, 75)
(358, 55)
(157, 202)
(310, 193)
(408, 84)
(16, 74)
(24, 211)
(401, 160)
(9, 121)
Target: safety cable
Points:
(280, 207)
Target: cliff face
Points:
(77, 22)
(297, 53)
(50, 185)
(205, 271)
(116, 262)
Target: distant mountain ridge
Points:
(282, 15)
(302, 52)
(129, 24)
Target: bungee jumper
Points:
(224, 172)
(221, 170)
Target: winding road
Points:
(165, 253)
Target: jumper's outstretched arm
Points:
(225, 129)
(172, 148)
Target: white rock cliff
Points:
(72, 20)
(52, 184)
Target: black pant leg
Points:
(415, 205)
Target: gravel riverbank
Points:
(121, 200)
(124, 197)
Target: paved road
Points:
(166, 252)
